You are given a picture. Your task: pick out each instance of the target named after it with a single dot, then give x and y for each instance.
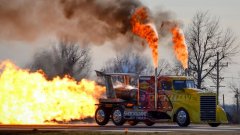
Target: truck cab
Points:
(197, 106)
(133, 99)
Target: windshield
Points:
(190, 84)
(182, 84)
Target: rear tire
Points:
(117, 116)
(214, 124)
(182, 118)
(101, 116)
(132, 122)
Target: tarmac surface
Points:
(125, 128)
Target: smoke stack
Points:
(156, 94)
(186, 72)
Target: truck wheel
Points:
(182, 118)
(132, 122)
(117, 116)
(101, 116)
(149, 123)
(214, 124)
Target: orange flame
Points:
(28, 98)
(146, 31)
(180, 47)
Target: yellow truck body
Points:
(191, 100)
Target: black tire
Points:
(149, 123)
(182, 118)
(133, 122)
(101, 116)
(117, 116)
(214, 124)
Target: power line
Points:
(232, 77)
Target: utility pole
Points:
(223, 102)
(218, 76)
(237, 96)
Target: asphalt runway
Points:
(125, 128)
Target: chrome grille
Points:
(208, 108)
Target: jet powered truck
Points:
(134, 98)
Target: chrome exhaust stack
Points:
(186, 71)
(155, 92)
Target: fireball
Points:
(29, 98)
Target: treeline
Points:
(232, 114)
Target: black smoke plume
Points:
(84, 21)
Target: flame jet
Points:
(142, 27)
(180, 47)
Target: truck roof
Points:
(172, 77)
(137, 75)
(99, 73)
(123, 74)
(178, 77)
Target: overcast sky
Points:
(228, 12)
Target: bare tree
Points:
(205, 38)
(134, 62)
(166, 68)
(177, 69)
(64, 58)
(235, 89)
(128, 62)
